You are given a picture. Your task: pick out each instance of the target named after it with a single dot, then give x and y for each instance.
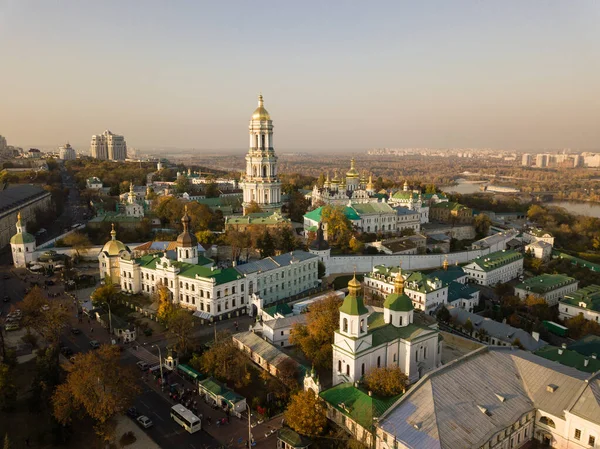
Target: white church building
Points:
(367, 340)
(22, 245)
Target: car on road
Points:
(75, 331)
(143, 366)
(6, 298)
(132, 412)
(12, 326)
(144, 421)
(94, 344)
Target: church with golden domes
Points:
(339, 190)
(369, 339)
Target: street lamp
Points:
(109, 320)
(249, 428)
(162, 379)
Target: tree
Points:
(306, 413)
(6, 441)
(482, 224)
(253, 208)
(298, 205)
(339, 228)
(284, 238)
(181, 324)
(105, 294)
(224, 361)
(288, 374)
(79, 242)
(8, 393)
(265, 244)
(356, 246)
(536, 213)
(182, 184)
(386, 381)
(316, 336)
(321, 270)
(98, 384)
(468, 326)
(47, 318)
(205, 238)
(165, 303)
(443, 315)
(518, 344)
(212, 190)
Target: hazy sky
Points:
(335, 74)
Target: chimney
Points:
(370, 393)
(586, 362)
(560, 351)
(535, 336)
(594, 356)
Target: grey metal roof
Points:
(11, 197)
(289, 321)
(501, 331)
(271, 263)
(444, 409)
(263, 348)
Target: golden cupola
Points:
(353, 172)
(260, 113)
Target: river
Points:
(579, 207)
(464, 187)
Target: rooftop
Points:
(280, 323)
(495, 260)
(457, 291)
(588, 345)
(383, 332)
(263, 218)
(266, 350)
(587, 297)
(272, 263)
(315, 215)
(545, 283)
(569, 358)
(13, 196)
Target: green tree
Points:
(468, 326)
(181, 325)
(321, 270)
(306, 414)
(297, 206)
(253, 208)
(79, 242)
(182, 184)
(265, 244)
(284, 238)
(316, 336)
(482, 225)
(8, 393)
(386, 381)
(212, 190)
(443, 315)
(339, 228)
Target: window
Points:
(591, 441)
(339, 366)
(424, 353)
(362, 369)
(378, 361)
(547, 421)
(345, 325)
(577, 434)
(347, 370)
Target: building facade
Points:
(67, 153)
(449, 212)
(551, 287)
(495, 268)
(260, 182)
(22, 245)
(341, 189)
(585, 302)
(108, 146)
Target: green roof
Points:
(497, 259)
(428, 196)
(588, 345)
(190, 371)
(577, 261)
(453, 273)
(590, 296)
(402, 195)
(114, 217)
(383, 332)
(353, 305)
(450, 205)
(22, 238)
(264, 218)
(213, 386)
(221, 276)
(315, 215)
(372, 208)
(357, 404)
(293, 439)
(569, 358)
(398, 302)
(456, 291)
(282, 309)
(545, 283)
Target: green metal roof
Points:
(545, 283)
(282, 309)
(450, 205)
(315, 215)
(188, 270)
(22, 238)
(398, 303)
(497, 259)
(590, 296)
(402, 195)
(373, 208)
(588, 345)
(357, 404)
(569, 358)
(353, 305)
(577, 261)
(258, 218)
(190, 371)
(383, 332)
(292, 438)
(453, 273)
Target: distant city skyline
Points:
(335, 75)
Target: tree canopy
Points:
(306, 413)
(386, 381)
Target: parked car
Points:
(75, 331)
(144, 421)
(143, 366)
(12, 326)
(132, 412)
(94, 344)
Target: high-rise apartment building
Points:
(66, 153)
(541, 160)
(108, 146)
(527, 160)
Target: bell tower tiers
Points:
(260, 182)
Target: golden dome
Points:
(113, 247)
(353, 172)
(260, 113)
(354, 283)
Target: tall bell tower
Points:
(260, 183)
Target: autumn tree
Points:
(306, 413)
(288, 374)
(339, 228)
(105, 294)
(79, 242)
(265, 244)
(386, 381)
(224, 361)
(47, 318)
(253, 208)
(181, 325)
(468, 326)
(97, 384)
(482, 224)
(165, 303)
(316, 336)
(356, 246)
(205, 238)
(8, 393)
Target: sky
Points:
(335, 75)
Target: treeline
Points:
(112, 174)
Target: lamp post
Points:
(249, 428)
(162, 379)
(109, 319)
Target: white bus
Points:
(185, 418)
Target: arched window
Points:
(379, 362)
(347, 370)
(345, 325)
(187, 254)
(400, 321)
(339, 366)
(547, 421)
(362, 370)
(362, 325)
(425, 352)
(264, 171)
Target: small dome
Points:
(398, 302)
(114, 247)
(353, 172)
(186, 239)
(260, 113)
(22, 238)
